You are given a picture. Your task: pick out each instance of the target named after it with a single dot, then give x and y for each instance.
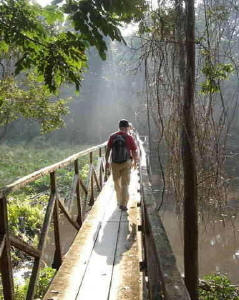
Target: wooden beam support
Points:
(83, 186)
(37, 262)
(101, 172)
(67, 215)
(77, 191)
(73, 191)
(92, 199)
(2, 243)
(91, 158)
(5, 261)
(96, 180)
(57, 261)
(78, 201)
(23, 246)
(105, 170)
(88, 187)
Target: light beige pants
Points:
(121, 177)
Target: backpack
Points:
(120, 153)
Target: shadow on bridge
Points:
(108, 232)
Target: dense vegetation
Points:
(217, 287)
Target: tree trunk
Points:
(189, 161)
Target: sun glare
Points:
(43, 2)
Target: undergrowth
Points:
(217, 287)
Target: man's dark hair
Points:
(123, 123)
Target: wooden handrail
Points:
(52, 213)
(47, 170)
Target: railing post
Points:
(78, 197)
(100, 170)
(106, 171)
(92, 200)
(41, 245)
(5, 260)
(57, 261)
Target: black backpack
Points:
(120, 153)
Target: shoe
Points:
(124, 208)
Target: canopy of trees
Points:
(51, 44)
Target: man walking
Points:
(123, 151)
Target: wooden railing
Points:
(96, 176)
(159, 263)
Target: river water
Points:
(218, 238)
(218, 244)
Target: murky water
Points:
(218, 231)
(218, 244)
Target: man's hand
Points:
(107, 165)
(134, 164)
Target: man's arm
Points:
(134, 152)
(135, 157)
(107, 154)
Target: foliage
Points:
(218, 12)
(45, 277)
(162, 25)
(84, 171)
(30, 100)
(57, 55)
(218, 287)
(25, 219)
(16, 162)
(214, 73)
(217, 62)
(102, 19)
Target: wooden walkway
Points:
(103, 261)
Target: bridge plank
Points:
(66, 283)
(96, 283)
(127, 279)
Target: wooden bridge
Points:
(114, 255)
